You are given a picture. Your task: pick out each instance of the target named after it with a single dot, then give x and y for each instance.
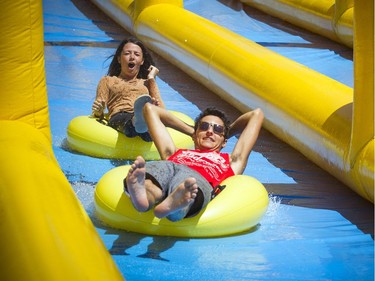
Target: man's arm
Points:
(158, 119)
(248, 126)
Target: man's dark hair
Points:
(215, 112)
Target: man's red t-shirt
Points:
(212, 165)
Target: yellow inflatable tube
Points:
(45, 233)
(330, 18)
(87, 135)
(304, 108)
(238, 208)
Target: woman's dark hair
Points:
(215, 112)
(114, 68)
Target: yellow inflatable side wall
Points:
(312, 112)
(330, 18)
(45, 232)
(360, 155)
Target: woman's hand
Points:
(98, 108)
(155, 101)
(152, 72)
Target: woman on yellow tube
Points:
(127, 87)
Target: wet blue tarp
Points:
(315, 227)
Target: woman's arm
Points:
(153, 87)
(101, 98)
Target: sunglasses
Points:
(204, 126)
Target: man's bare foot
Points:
(135, 182)
(180, 198)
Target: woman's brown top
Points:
(119, 95)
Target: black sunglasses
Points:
(218, 129)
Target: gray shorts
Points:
(121, 122)
(169, 175)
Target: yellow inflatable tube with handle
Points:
(238, 208)
(93, 137)
(45, 232)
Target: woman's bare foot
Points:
(135, 182)
(180, 198)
